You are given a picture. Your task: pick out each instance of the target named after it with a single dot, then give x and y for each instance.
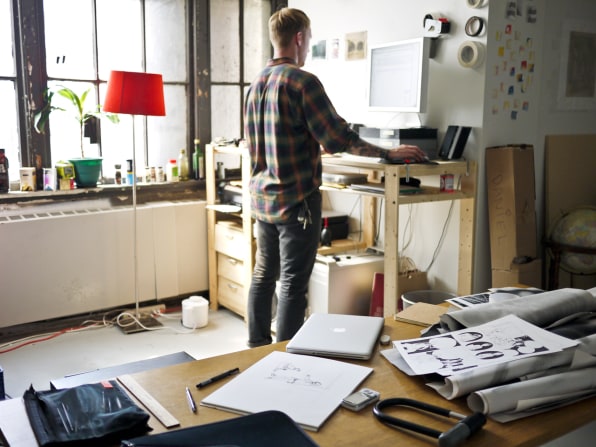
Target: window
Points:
(208, 51)
(9, 137)
(149, 35)
(235, 62)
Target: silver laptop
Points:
(337, 335)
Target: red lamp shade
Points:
(135, 94)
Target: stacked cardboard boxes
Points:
(512, 216)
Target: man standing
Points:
(288, 119)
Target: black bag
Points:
(265, 429)
(86, 415)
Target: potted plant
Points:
(87, 169)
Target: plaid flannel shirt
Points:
(288, 117)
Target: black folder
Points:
(264, 429)
(454, 142)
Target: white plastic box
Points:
(342, 284)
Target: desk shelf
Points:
(245, 249)
(466, 171)
(230, 238)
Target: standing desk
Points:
(346, 428)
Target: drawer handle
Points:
(232, 286)
(232, 261)
(230, 237)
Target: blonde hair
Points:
(284, 24)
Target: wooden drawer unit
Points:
(230, 232)
(229, 239)
(231, 295)
(230, 268)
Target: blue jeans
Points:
(286, 251)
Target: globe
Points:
(577, 228)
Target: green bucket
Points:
(87, 171)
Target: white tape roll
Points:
(470, 54)
(195, 311)
(475, 3)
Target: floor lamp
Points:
(133, 94)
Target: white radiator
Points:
(54, 264)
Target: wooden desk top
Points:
(347, 428)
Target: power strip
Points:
(149, 310)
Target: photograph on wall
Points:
(356, 46)
(577, 77)
(318, 50)
(333, 48)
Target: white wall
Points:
(458, 95)
(455, 97)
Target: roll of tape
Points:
(474, 26)
(470, 54)
(195, 311)
(475, 3)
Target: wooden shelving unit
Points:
(231, 241)
(466, 194)
(230, 238)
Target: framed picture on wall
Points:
(577, 76)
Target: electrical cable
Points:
(407, 241)
(444, 231)
(378, 230)
(85, 326)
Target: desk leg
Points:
(391, 240)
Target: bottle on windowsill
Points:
(183, 165)
(4, 180)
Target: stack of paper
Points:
(307, 388)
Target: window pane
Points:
(166, 39)
(225, 46)
(225, 111)
(165, 135)
(69, 39)
(168, 134)
(116, 143)
(65, 134)
(119, 36)
(257, 48)
(6, 48)
(9, 139)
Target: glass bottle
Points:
(4, 181)
(198, 161)
(118, 174)
(183, 165)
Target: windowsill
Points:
(114, 195)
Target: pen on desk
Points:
(218, 377)
(191, 401)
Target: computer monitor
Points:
(398, 76)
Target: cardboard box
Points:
(511, 204)
(529, 274)
(407, 282)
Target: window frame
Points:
(31, 77)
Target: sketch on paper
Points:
(291, 374)
(499, 341)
